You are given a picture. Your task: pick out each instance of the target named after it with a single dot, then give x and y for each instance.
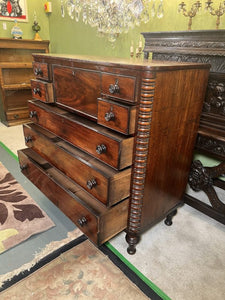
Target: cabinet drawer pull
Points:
(28, 139)
(114, 88)
(91, 183)
(37, 91)
(82, 221)
(33, 113)
(23, 167)
(16, 116)
(101, 149)
(38, 71)
(109, 116)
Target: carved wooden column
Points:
(140, 161)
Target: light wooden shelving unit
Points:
(15, 75)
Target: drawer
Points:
(94, 219)
(18, 114)
(104, 183)
(41, 70)
(117, 116)
(120, 87)
(77, 89)
(42, 91)
(112, 148)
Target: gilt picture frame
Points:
(11, 10)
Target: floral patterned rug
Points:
(82, 272)
(20, 216)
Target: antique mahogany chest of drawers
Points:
(111, 141)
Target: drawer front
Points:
(41, 71)
(45, 178)
(93, 219)
(106, 146)
(18, 114)
(42, 91)
(77, 89)
(117, 116)
(104, 183)
(120, 87)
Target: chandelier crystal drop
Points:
(111, 17)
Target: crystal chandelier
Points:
(111, 17)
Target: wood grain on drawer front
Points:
(42, 91)
(104, 183)
(94, 219)
(126, 86)
(41, 71)
(18, 114)
(77, 89)
(113, 148)
(117, 116)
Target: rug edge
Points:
(22, 273)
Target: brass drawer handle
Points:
(101, 149)
(91, 183)
(114, 88)
(23, 167)
(33, 113)
(38, 71)
(37, 91)
(82, 221)
(109, 116)
(28, 139)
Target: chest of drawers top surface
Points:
(99, 63)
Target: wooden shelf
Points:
(24, 44)
(15, 65)
(17, 86)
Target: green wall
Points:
(42, 18)
(68, 36)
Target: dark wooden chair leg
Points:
(168, 220)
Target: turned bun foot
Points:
(168, 220)
(132, 240)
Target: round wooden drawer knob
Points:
(109, 116)
(91, 183)
(38, 71)
(101, 149)
(82, 221)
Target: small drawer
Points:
(42, 91)
(104, 183)
(117, 116)
(94, 219)
(109, 147)
(119, 87)
(18, 114)
(41, 71)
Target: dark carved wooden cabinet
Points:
(207, 46)
(111, 144)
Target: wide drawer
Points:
(41, 70)
(77, 89)
(119, 86)
(42, 91)
(112, 148)
(117, 116)
(104, 183)
(94, 219)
